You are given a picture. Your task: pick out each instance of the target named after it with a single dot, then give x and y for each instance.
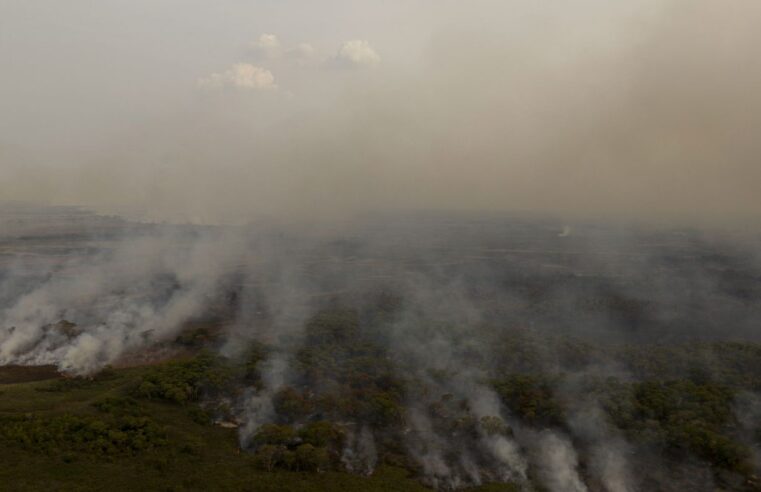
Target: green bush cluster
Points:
(453, 417)
(122, 435)
(255, 354)
(118, 405)
(679, 404)
(341, 374)
(196, 337)
(186, 381)
(313, 447)
(680, 417)
(531, 398)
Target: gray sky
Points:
(233, 110)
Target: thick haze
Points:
(230, 111)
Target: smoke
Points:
(463, 289)
(642, 111)
(137, 294)
(645, 110)
(558, 463)
(431, 340)
(748, 412)
(608, 452)
(360, 455)
(258, 408)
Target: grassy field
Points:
(191, 456)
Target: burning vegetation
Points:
(507, 355)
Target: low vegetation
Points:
(155, 422)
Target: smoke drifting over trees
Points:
(470, 349)
(574, 310)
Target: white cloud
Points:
(302, 51)
(240, 76)
(269, 47)
(266, 47)
(357, 53)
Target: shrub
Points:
(123, 435)
(185, 381)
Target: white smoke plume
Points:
(360, 454)
(608, 452)
(258, 408)
(137, 295)
(557, 463)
